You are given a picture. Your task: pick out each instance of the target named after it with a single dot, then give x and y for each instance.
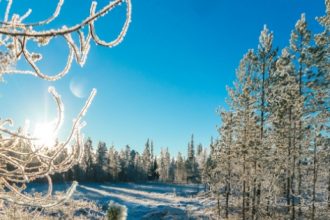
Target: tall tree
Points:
(285, 108)
(319, 100)
(299, 47)
(243, 136)
(265, 63)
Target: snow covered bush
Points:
(116, 211)
(71, 209)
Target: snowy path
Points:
(143, 199)
(153, 201)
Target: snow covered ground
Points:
(146, 201)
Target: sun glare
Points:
(44, 133)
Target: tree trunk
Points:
(218, 203)
(292, 144)
(228, 186)
(257, 191)
(329, 189)
(227, 199)
(288, 181)
(314, 180)
(244, 191)
(243, 209)
(300, 137)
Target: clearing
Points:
(147, 200)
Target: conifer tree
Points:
(88, 160)
(300, 46)
(191, 165)
(147, 161)
(114, 167)
(265, 60)
(180, 170)
(101, 162)
(244, 128)
(285, 115)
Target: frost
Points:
(24, 155)
(18, 34)
(39, 159)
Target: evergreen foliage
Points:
(271, 158)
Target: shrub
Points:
(116, 211)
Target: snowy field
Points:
(144, 201)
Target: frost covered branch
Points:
(24, 158)
(15, 35)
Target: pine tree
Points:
(114, 167)
(101, 162)
(225, 165)
(273, 145)
(147, 161)
(265, 59)
(242, 124)
(201, 159)
(180, 170)
(299, 48)
(164, 165)
(191, 165)
(319, 101)
(88, 159)
(209, 164)
(285, 113)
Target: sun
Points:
(44, 134)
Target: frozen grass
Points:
(143, 201)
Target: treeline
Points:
(107, 164)
(272, 158)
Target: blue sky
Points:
(168, 77)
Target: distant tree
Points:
(114, 167)
(139, 169)
(147, 161)
(88, 160)
(171, 172)
(164, 165)
(155, 174)
(101, 162)
(191, 165)
(201, 159)
(180, 170)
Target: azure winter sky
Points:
(168, 77)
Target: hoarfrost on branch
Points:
(22, 157)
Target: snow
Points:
(145, 201)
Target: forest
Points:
(103, 164)
(271, 160)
